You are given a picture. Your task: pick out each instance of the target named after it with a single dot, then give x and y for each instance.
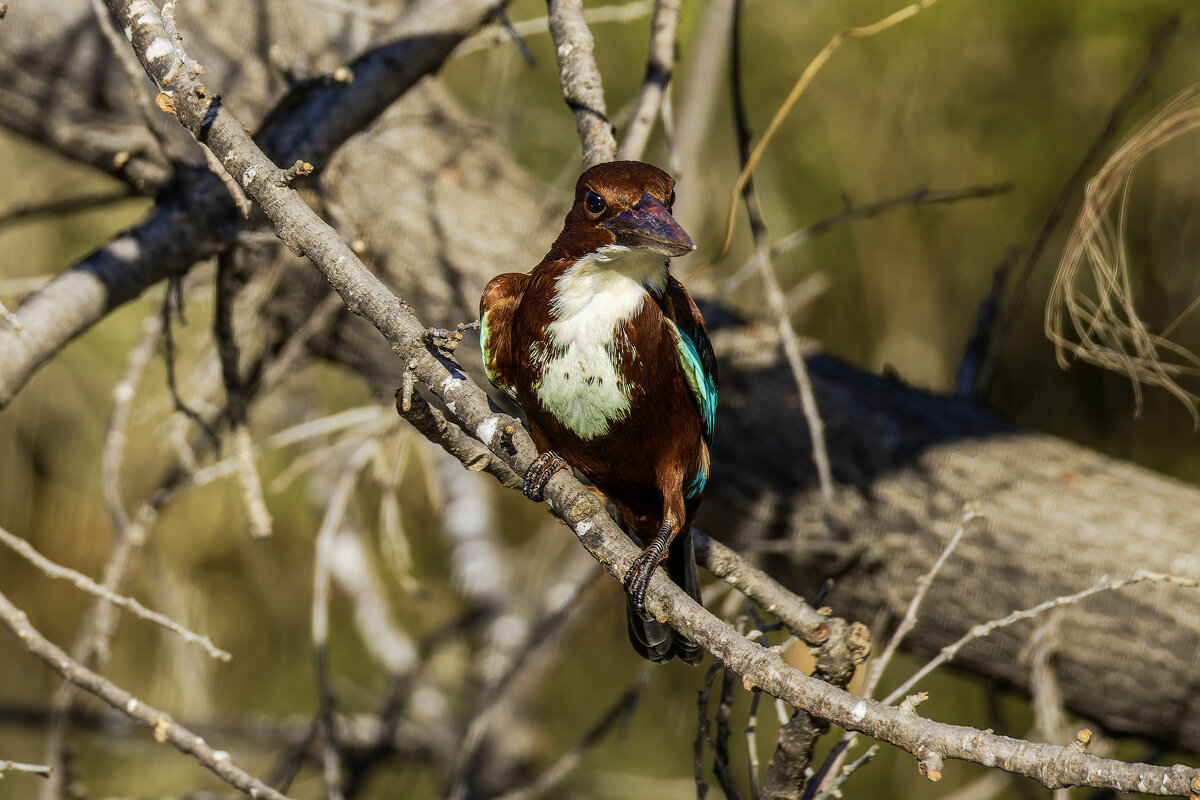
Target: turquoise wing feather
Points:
(698, 363)
(701, 377)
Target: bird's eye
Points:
(595, 203)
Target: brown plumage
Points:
(609, 359)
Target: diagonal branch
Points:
(86, 584)
(165, 729)
(300, 228)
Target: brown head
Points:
(626, 203)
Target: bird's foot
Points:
(447, 339)
(539, 474)
(637, 580)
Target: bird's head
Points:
(623, 203)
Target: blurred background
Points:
(965, 94)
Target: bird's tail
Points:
(654, 640)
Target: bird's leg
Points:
(539, 474)
(637, 580)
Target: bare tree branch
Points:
(617, 12)
(86, 584)
(32, 769)
(658, 75)
(922, 195)
(582, 86)
(981, 630)
(775, 297)
(310, 123)
(165, 729)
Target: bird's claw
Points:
(539, 474)
(637, 581)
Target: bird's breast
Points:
(584, 358)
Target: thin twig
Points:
(16, 766)
(703, 729)
(979, 342)
(10, 319)
(909, 621)
(87, 585)
(116, 432)
(1049, 715)
(490, 37)
(775, 297)
(920, 196)
(854, 766)
(169, 359)
(354, 571)
(752, 744)
(806, 78)
(369, 420)
(335, 511)
(948, 652)
(228, 354)
(699, 95)
(658, 74)
(165, 729)
(70, 205)
(721, 766)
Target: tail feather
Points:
(654, 640)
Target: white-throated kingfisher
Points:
(610, 361)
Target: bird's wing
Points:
(695, 351)
(496, 309)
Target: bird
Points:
(609, 359)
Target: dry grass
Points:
(1107, 330)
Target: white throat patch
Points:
(581, 385)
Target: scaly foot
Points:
(539, 474)
(637, 580)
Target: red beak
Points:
(650, 226)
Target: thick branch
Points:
(580, 79)
(310, 123)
